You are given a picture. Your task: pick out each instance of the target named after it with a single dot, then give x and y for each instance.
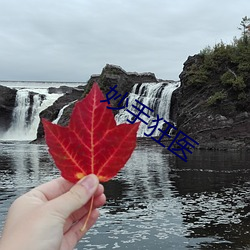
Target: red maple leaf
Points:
(92, 142)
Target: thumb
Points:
(76, 197)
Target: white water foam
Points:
(25, 117)
(156, 96)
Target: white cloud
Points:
(70, 40)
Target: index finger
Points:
(54, 188)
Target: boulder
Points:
(7, 104)
(114, 75)
(52, 112)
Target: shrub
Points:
(197, 75)
(239, 84)
(216, 98)
(227, 78)
(231, 79)
(206, 51)
(242, 96)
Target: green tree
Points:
(245, 28)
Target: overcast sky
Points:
(68, 40)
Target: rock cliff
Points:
(7, 104)
(211, 113)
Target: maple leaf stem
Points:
(88, 215)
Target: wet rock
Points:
(114, 75)
(7, 105)
(52, 112)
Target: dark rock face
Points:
(117, 72)
(63, 89)
(7, 104)
(52, 112)
(111, 75)
(223, 126)
(114, 75)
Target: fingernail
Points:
(89, 182)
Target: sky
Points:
(69, 40)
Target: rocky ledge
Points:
(52, 112)
(7, 104)
(217, 122)
(114, 75)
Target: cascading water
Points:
(156, 96)
(20, 113)
(25, 117)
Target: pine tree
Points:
(245, 28)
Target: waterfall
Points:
(156, 96)
(30, 102)
(25, 117)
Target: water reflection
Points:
(22, 167)
(156, 202)
(214, 187)
(26, 164)
(141, 208)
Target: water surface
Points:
(156, 202)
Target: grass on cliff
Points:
(226, 66)
(230, 62)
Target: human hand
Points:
(50, 216)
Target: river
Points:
(156, 202)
